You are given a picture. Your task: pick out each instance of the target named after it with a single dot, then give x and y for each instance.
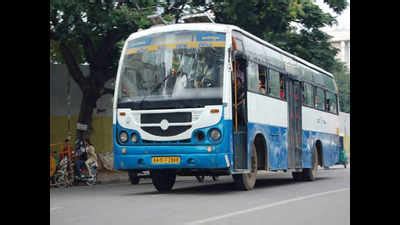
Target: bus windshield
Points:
(172, 67)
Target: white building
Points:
(341, 40)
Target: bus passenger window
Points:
(319, 99)
(331, 103)
(252, 77)
(273, 85)
(261, 77)
(308, 94)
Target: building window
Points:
(273, 84)
(319, 98)
(308, 95)
(331, 102)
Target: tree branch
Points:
(88, 48)
(73, 66)
(107, 45)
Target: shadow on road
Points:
(226, 187)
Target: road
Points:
(276, 199)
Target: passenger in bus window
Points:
(327, 105)
(282, 88)
(261, 85)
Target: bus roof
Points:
(216, 27)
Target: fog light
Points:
(215, 134)
(209, 149)
(123, 136)
(134, 138)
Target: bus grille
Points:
(177, 117)
(171, 131)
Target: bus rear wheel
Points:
(163, 180)
(297, 176)
(309, 174)
(248, 180)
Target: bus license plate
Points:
(166, 160)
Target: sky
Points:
(343, 19)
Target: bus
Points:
(207, 99)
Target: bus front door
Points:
(239, 111)
(294, 124)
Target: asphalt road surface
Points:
(276, 199)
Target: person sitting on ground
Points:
(66, 151)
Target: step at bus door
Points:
(294, 99)
(239, 111)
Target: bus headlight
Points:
(123, 136)
(134, 138)
(215, 134)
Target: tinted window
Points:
(273, 84)
(331, 103)
(319, 99)
(308, 94)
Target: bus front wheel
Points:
(163, 180)
(248, 180)
(133, 177)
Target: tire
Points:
(309, 174)
(247, 181)
(297, 176)
(200, 179)
(133, 177)
(163, 180)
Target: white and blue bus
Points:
(212, 99)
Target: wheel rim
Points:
(253, 172)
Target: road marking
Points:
(264, 206)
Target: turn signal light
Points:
(214, 111)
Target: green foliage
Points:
(342, 76)
(75, 22)
(294, 26)
(274, 21)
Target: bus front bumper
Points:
(187, 161)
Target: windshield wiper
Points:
(154, 89)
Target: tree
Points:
(91, 32)
(293, 25)
(342, 75)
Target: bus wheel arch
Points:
(318, 147)
(261, 149)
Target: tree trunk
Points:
(88, 104)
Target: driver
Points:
(205, 73)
